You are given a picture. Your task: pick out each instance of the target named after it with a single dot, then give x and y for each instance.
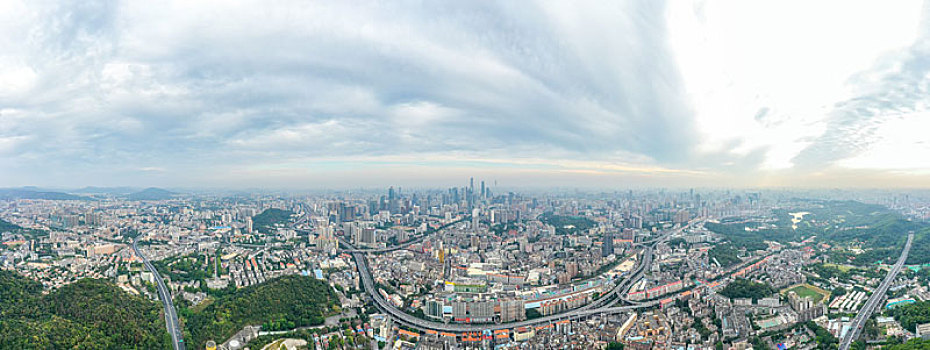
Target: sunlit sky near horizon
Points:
(308, 94)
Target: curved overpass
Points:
(599, 306)
(422, 324)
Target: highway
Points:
(599, 306)
(422, 324)
(875, 300)
(171, 315)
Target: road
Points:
(874, 301)
(599, 306)
(422, 324)
(171, 315)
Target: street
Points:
(171, 316)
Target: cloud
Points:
(880, 125)
(182, 92)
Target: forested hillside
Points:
(266, 221)
(88, 314)
(878, 230)
(283, 303)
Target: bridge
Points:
(171, 316)
(875, 300)
(599, 306)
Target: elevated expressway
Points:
(171, 316)
(875, 300)
(600, 306)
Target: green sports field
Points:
(806, 290)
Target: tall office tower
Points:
(368, 235)
(471, 185)
(474, 219)
(352, 232)
(482, 189)
(608, 247)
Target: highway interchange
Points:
(875, 300)
(603, 305)
(599, 306)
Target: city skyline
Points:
(353, 94)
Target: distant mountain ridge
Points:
(106, 190)
(29, 193)
(151, 194)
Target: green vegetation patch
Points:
(841, 268)
(879, 231)
(279, 304)
(725, 254)
(806, 290)
(566, 224)
(266, 221)
(87, 314)
(744, 288)
(192, 267)
(6, 226)
(910, 315)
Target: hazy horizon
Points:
(310, 95)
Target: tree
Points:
(533, 313)
(744, 288)
(615, 346)
(283, 303)
(87, 314)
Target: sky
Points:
(311, 94)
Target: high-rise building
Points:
(512, 310)
(628, 234)
(608, 247)
(572, 269)
(368, 235)
(434, 308)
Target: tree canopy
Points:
(87, 314)
(744, 288)
(285, 302)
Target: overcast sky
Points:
(309, 94)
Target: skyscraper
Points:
(608, 247)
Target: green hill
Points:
(88, 314)
(17, 193)
(8, 226)
(282, 303)
(877, 229)
(266, 221)
(743, 288)
(151, 194)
